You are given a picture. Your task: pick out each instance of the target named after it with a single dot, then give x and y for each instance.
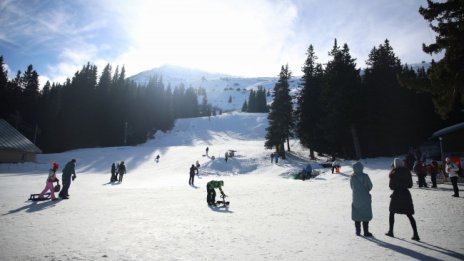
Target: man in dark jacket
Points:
(193, 169)
(68, 171)
(121, 170)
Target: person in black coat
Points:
(113, 173)
(121, 170)
(401, 200)
(193, 170)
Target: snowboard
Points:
(35, 197)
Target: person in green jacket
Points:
(210, 191)
(68, 171)
(361, 208)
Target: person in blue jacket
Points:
(361, 207)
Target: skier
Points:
(49, 183)
(207, 150)
(157, 158)
(193, 169)
(272, 157)
(69, 171)
(361, 208)
(226, 156)
(211, 193)
(121, 170)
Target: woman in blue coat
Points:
(361, 208)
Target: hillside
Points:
(219, 87)
(155, 215)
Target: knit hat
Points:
(55, 166)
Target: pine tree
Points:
(309, 110)
(280, 117)
(245, 106)
(340, 97)
(447, 75)
(5, 94)
(389, 105)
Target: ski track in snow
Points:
(155, 215)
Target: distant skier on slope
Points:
(211, 193)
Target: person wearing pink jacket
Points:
(49, 184)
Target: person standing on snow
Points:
(361, 207)
(434, 169)
(211, 193)
(401, 200)
(452, 171)
(193, 169)
(420, 171)
(197, 165)
(207, 150)
(113, 173)
(121, 170)
(49, 183)
(68, 171)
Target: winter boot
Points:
(389, 233)
(366, 229)
(415, 237)
(357, 225)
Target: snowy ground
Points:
(155, 215)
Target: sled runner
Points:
(35, 197)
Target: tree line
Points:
(92, 111)
(382, 111)
(256, 101)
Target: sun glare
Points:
(211, 35)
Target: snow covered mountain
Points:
(219, 87)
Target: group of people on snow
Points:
(400, 199)
(117, 171)
(274, 155)
(415, 161)
(69, 174)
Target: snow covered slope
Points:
(219, 87)
(155, 215)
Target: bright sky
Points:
(239, 37)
